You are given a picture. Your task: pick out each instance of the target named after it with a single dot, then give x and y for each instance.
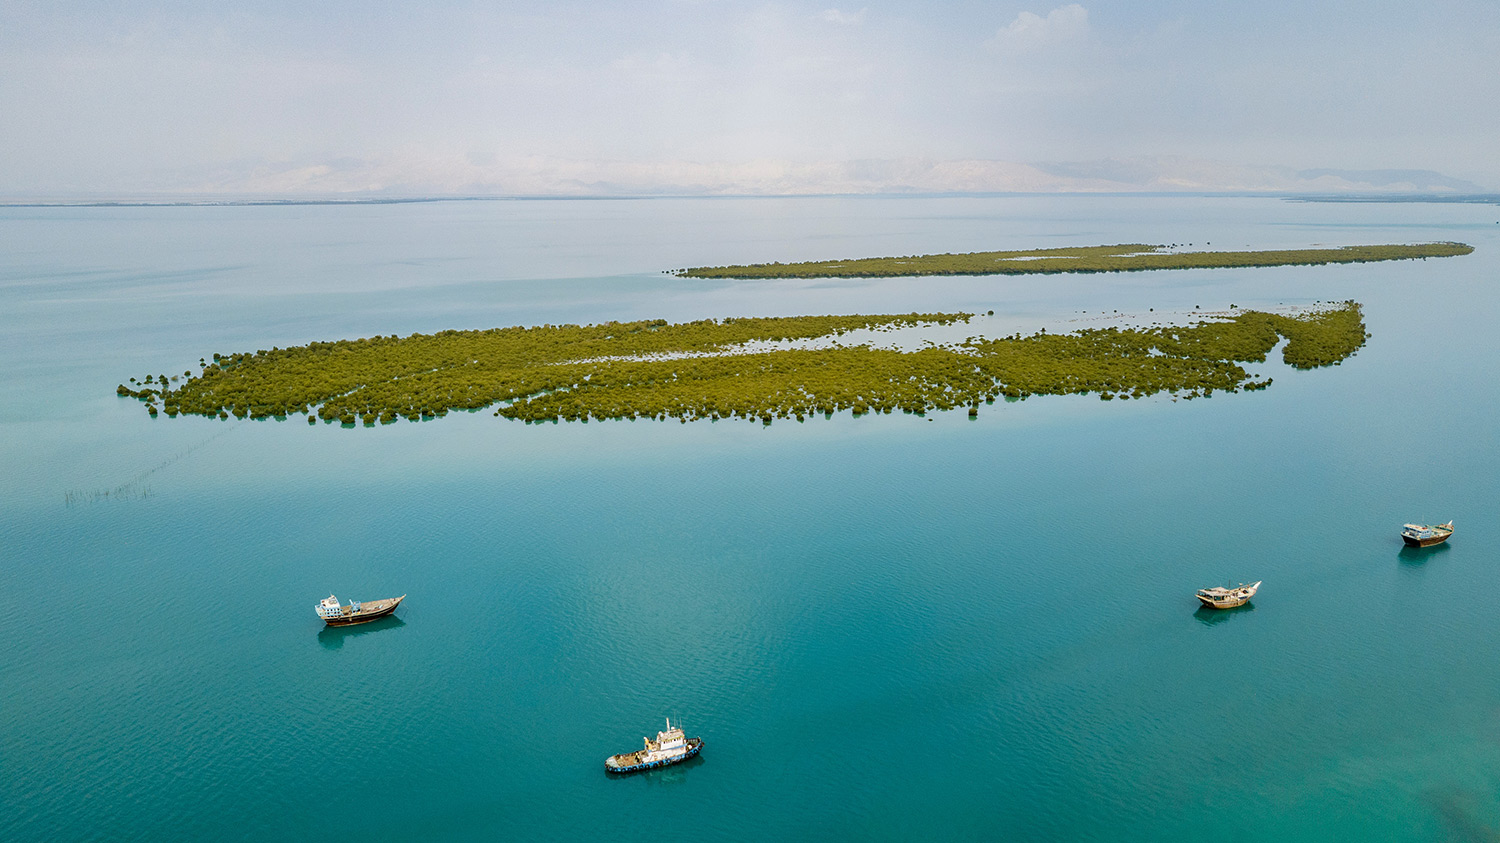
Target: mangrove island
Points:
(723, 369)
(1127, 257)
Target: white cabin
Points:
(669, 743)
(329, 608)
(1425, 531)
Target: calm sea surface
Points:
(885, 628)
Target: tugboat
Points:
(1219, 597)
(670, 747)
(1424, 535)
(356, 612)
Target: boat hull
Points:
(378, 609)
(1429, 542)
(1224, 604)
(628, 762)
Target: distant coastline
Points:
(1125, 257)
(235, 203)
(1431, 198)
(267, 201)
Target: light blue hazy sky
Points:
(441, 96)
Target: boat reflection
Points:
(1209, 617)
(332, 637)
(1417, 555)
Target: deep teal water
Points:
(884, 628)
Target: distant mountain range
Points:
(1173, 174)
(1424, 181)
(376, 180)
(535, 176)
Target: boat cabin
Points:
(330, 608)
(668, 739)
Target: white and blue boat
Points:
(1426, 535)
(670, 747)
(356, 612)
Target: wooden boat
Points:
(1424, 535)
(670, 747)
(1219, 597)
(356, 612)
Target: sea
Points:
(891, 627)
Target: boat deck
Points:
(626, 760)
(368, 606)
(369, 610)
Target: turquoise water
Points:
(883, 628)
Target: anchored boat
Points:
(670, 747)
(1424, 535)
(356, 612)
(1219, 597)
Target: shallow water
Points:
(890, 627)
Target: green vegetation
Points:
(1122, 258)
(702, 370)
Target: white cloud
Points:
(844, 18)
(259, 98)
(1029, 31)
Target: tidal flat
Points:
(709, 369)
(1126, 257)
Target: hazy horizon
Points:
(701, 98)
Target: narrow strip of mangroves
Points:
(1125, 257)
(616, 371)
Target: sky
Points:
(127, 98)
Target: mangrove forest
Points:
(728, 369)
(1127, 257)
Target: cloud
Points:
(147, 96)
(843, 18)
(1029, 31)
